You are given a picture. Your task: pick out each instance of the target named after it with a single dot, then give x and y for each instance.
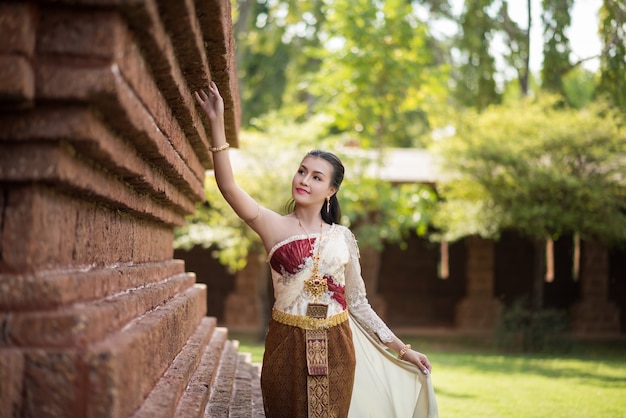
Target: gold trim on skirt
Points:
(306, 322)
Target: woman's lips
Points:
(301, 191)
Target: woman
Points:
(323, 352)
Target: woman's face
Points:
(311, 183)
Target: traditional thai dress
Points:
(324, 355)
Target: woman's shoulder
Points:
(344, 230)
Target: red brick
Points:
(53, 384)
(45, 229)
(80, 325)
(17, 82)
(17, 26)
(12, 378)
(124, 369)
(201, 385)
(103, 37)
(92, 139)
(216, 23)
(54, 163)
(107, 90)
(144, 20)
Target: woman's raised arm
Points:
(242, 203)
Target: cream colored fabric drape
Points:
(385, 387)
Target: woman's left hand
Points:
(212, 103)
(419, 359)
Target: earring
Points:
(328, 205)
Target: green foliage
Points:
(613, 59)
(579, 86)
(379, 77)
(556, 50)
(537, 167)
(521, 328)
(475, 84)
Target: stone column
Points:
(478, 311)
(594, 313)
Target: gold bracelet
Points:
(403, 351)
(220, 148)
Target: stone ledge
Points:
(81, 324)
(54, 163)
(178, 379)
(122, 110)
(93, 140)
(45, 229)
(196, 396)
(221, 392)
(102, 37)
(17, 81)
(124, 368)
(241, 402)
(52, 289)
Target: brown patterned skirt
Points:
(285, 382)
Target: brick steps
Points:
(208, 379)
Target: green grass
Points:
(472, 379)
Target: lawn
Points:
(474, 380)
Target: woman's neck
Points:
(310, 220)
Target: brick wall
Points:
(102, 154)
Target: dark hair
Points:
(334, 215)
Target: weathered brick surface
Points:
(222, 391)
(123, 369)
(17, 82)
(45, 230)
(102, 152)
(12, 378)
(17, 26)
(53, 383)
(196, 397)
(79, 325)
(91, 138)
(123, 110)
(48, 290)
(163, 399)
(104, 38)
(55, 163)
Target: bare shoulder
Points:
(273, 227)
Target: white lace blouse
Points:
(292, 263)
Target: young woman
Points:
(324, 353)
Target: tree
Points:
(556, 49)
(475, 85)
(613, 59)
(271, 38)
(379, 76)
(539, 168)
